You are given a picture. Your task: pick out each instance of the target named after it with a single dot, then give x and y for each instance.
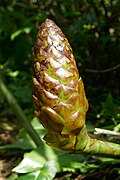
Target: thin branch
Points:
(103, 71)
(104, 131)
(19, 113)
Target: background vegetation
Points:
(93, 30)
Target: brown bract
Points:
(58, 92)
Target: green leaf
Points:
(13, 73)
(35, 162)
(32, 161)
(38, 127)
(12, 177)
(21, 145)
(108, 107)
(30, 176)
(48, 171)
(18, 32)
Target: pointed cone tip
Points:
(48, 23)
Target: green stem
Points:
(89, 145)
(19, 113)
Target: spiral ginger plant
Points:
(59, 95)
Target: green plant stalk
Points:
(19, 113)
(59, 96)
(95, 146)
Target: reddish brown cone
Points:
(58, 92)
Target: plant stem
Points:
(96, 146)
(19, 113)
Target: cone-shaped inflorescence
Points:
(59, 95)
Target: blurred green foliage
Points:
(93, 29)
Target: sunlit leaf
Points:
(38, 127)
(13, 74)
(31, 162)
(48, 171)
(18, 32)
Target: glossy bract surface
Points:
(58, 91)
